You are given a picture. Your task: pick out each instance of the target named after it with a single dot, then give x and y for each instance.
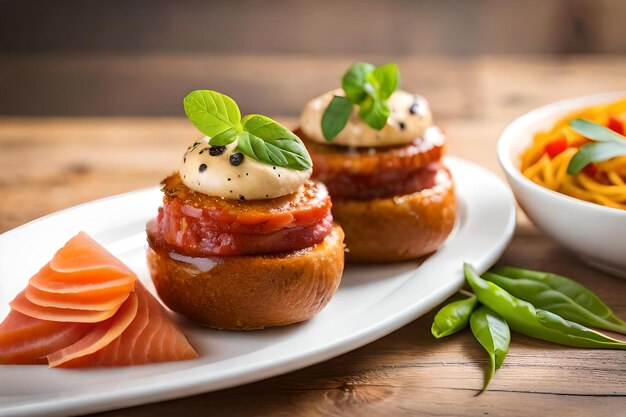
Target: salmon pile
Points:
(85, 308)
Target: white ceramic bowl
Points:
(595, 232)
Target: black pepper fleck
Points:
(216, 150)
(401, 125)
(202, 168)
(278, 175)
(273, 167)
(236, 158)
(414, 107)
(246, 174)
(267, 195)
(242, 198)
(203, 150)
(184, 159)
(229, 179)
(230, 191)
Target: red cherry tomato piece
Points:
(556, 147)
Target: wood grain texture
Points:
(47, 164)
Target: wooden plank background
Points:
(139, 57)
(472, 99)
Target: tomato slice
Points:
(303, 208)
(329, 159)
(591, 170)
(369, 173)
(616, 125)
(194, 224)
(556, 147)
(382, 185)
(198, 242)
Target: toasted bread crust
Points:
(400, 227)
(250, 292)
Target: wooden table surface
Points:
(47, 164)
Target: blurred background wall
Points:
(140, 57)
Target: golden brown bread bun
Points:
(400, 227)
(251, 292)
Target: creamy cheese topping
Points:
(222, 171)
(410, 116)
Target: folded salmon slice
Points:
(82, 253)
(99, 336)
(151, 337)
(26, 340)
(23, 305)
(101, 279)
(98, 300)
(62, 291)
(86, 308)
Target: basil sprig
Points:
(368, 87)
(259, 137)
(607, 144)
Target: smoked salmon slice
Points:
(26, 340)
(64, 287)
(71, 282)
(99, 300)
(82, 253)
(23, 305)
(99, 336)
(86, 308)
(151, 337)
(61, 291)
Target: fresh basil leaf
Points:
(557, 294)
(374, 112)
(256, 148)
(211, 112)
(224, 138)
(596, 131)
(267, 141)
(594, 152)
(384, 80)
(368, 87)
(353, 82)
(453, 317)
(335, 117)
(493, 333)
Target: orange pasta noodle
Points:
(546, 159)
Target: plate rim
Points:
(163, 390)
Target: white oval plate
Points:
(371, 302)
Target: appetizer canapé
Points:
(85, 308)
(379, 154)
(244, 240)
(583, 155)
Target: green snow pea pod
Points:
(557, 294)
(523, 318)
(494, 335)
(453, 317)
